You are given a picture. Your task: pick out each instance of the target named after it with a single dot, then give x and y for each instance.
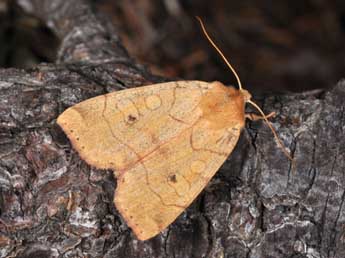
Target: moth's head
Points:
(246, 95)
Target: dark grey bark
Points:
(52, 204)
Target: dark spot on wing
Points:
(172, 178)
(132, 118)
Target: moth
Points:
(164, 143)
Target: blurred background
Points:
(274, 45)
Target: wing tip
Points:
(77, 145)
(138, 231)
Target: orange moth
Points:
(164, 141)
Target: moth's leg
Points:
(255, 117)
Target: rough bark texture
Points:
(52, 204)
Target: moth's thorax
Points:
(224, 106)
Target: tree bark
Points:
(52, 204)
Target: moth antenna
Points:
(281, 145)
(219, 52)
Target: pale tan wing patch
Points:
(170, 178)
(117, 129)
